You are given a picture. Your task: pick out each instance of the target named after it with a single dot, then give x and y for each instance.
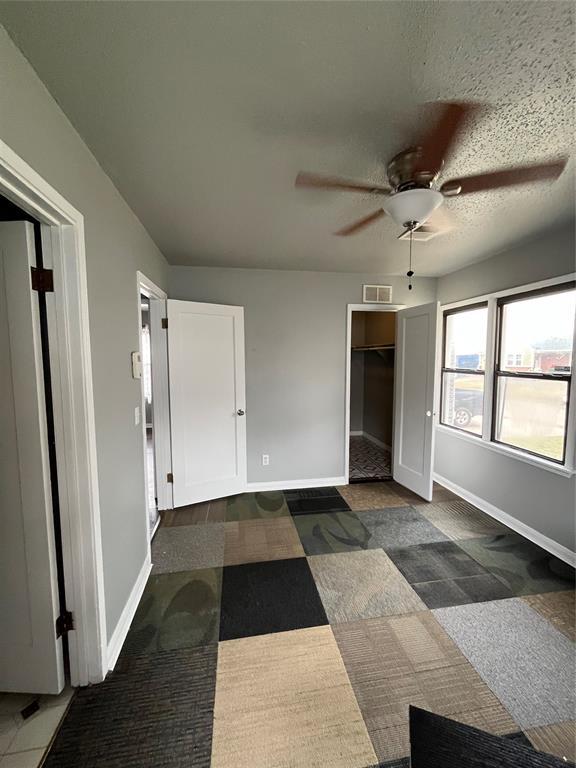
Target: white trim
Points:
(560, 551)
(348, 354)
(73, 412)
(356, 433)
(375, 440)
(123, 625)
(145, 287)
(287, 485)
(506, 450)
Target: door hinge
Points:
(169, 477)
(64, 623)
(42, 280)
(164, 322)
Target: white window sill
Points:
(505, 450)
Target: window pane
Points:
(537, 333)
(531, 414)
(462, 401)
(465, 342)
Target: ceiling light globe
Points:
(413, 205)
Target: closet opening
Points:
(372, 352)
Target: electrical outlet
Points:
(265, 459)
(137, 415)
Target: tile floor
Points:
(23, 742)
(293, 629)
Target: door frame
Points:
(64, 249)
(349, 310)
(146, 287)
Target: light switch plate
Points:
(136, 365)
(137, 415)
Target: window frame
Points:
(498, 374)
(470, 371)
(567, 468)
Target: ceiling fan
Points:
(409, 198)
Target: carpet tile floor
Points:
(294, 629)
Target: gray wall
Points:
(541, 499)
(32, 124)
(357, 392)
(379, 395)
(295, 359)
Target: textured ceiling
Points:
(202, 114)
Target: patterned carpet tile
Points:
(523, 566)
(460, 520)
(397, 527)
(284, 700)
(368, 460)
(558, 739)
(361, 585)
(528, 664)
(186, 547)
(276, 596)
(253, 541)
(177, 610)
(403, 660)
(195, 514)
(371, 496)
(332, 532)
(468, 589)
(435, 562)
(559, 608)
(250, 506)
(157, 712)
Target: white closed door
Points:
(207, 400)
(31, 658)
(415, 397)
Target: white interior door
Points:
(415, 397)
(207, 400)
(31, 658)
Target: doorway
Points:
(371, 407)
(148, 295)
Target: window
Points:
(529, 370)
(464, 356)
(533, 370)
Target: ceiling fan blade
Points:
(506, 177)
(436, 144)
(316, 181)
(351, 229)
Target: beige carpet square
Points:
(361, 496)
(460, 520)
(254, 541)
(362, 585)
(559, 608)
(558, 739)
(402, 660)
(284, 700)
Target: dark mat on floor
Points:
(156, 712)
(310, 493)
(310, 506)
(276, 596)
(437, 742)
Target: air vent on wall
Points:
(377, 294)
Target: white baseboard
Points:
(356, 433)
(121, 630)
(376, 441)
(286, 485)
(560, 551)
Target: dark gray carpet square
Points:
(397, 527)
(434, 562)
(470, 589)
(310, 493)
(275, 596)
(156, 712)
(315, 504)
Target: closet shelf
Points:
(372, 347)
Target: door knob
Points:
(428, 413)
(240, 412)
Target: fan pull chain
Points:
(410, 272)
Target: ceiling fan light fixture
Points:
(412, 205)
